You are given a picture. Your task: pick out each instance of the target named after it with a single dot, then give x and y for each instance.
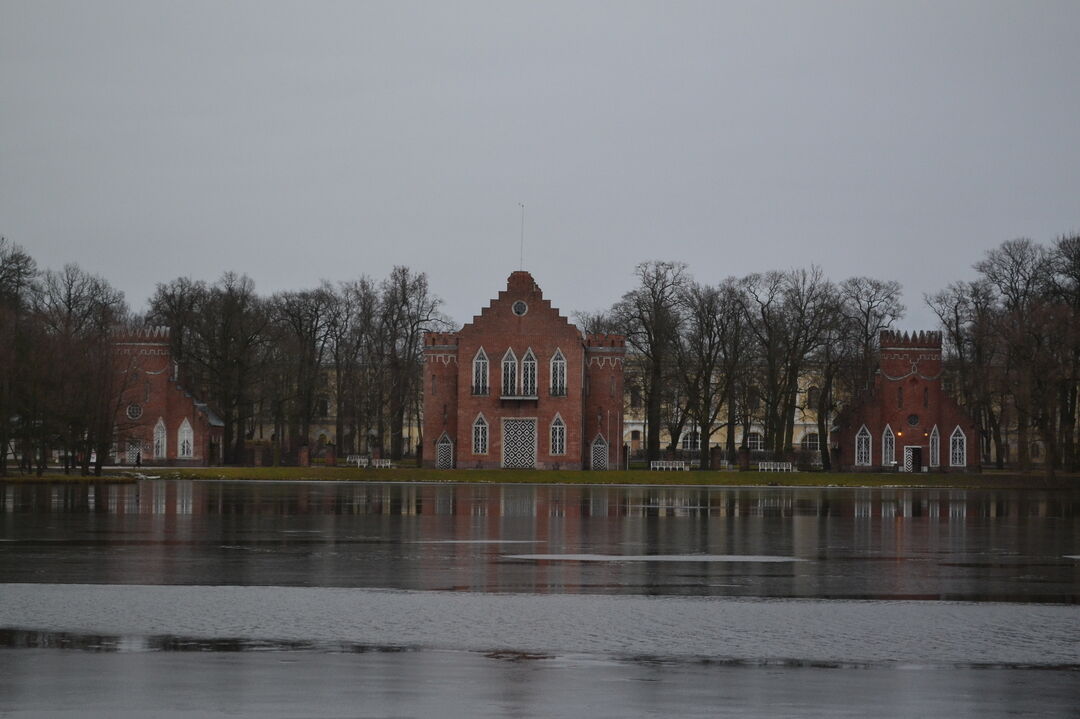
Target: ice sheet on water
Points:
(654, 557)
(478, 541)
(755, 631)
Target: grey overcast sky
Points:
(313, 140)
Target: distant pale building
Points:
(520, 387)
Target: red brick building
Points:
(521, 387)
(159, 422)
(906, 421)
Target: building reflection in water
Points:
(509, 500)
(898, 543)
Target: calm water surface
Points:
(344, 599)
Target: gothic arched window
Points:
(528, 374)
(480, 372)
(958, 448)
(509, 373)
(863, 455)
(888, 447)
(160, 440)
(935, 448)
(558, 374)
(480, 435)
(185, 440)
(558, 436)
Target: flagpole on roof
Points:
(521, 258)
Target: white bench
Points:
(774, 467)
(381, 464)
(669, 465)
(358, 459)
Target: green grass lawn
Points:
(644, 477)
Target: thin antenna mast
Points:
(521, 259)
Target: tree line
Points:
(707, 358)
(352, 351)
(713, 359)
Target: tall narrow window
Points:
(558, 436)
(558, 374)
(935, 448)
(528, 374)
(185, 440)
(863, 455)
(958, 448)
(433, 385)
(480, 435)
(899, 397)
(925, 397)
(480, 372)
(509, 373)
(888, 447)
(160, 440)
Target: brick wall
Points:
(451, 405)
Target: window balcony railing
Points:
(519, 396)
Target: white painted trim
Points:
(865, 435)
(952, 438)
(487, 434)
(480, 355)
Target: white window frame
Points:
(888, 447)
(161, 440)
(759, 441)
(528, 374)
(481, 433)
(185, 434)
(864, 448)
(690, 440)
(480, 373)
(558, 373)
(817, 442)
(509, 373)
(958, 448)
(557, 435)
(935, 447)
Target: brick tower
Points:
(521, 387)
(905, 421)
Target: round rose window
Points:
(520, 308)
(913, 420)
(134, 411)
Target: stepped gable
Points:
(521, 285)
(511, 389)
